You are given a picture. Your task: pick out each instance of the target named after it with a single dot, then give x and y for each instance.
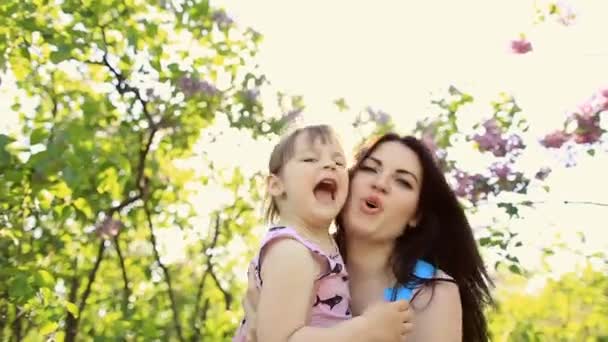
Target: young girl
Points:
(303, 284)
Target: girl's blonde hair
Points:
(283, 152)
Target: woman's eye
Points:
(367, 169)
(309, 160)
(405, 183)
(340, 164)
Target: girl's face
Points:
(312, 186)
(384, 194)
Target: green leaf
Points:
(83, 206)
(63, 53)
(515, 269)
(511, 209)
(109, 182)
(5, 156)
(341, 104)
(38, 135)
(48, 328)
(44, 278)
(71, 307)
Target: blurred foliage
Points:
(572, 308)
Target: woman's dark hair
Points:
(442, 237)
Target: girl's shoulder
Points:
(328, 263)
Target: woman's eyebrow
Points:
(401, 171)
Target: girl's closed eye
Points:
(309, 160)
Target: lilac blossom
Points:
(543, 173)
(493, 141)
(521, 46)
(108, 228)
(222, 19)
(555, 139)
(500, 170)
(190, 86)
(379, 116)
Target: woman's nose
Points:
(381, 183)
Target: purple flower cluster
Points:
(500, 170)
(222, 19)
(251, 95)
(587, 119)
(474, 187)
(494, 141)
(190, 86)
(378, 116)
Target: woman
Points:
(401, 220)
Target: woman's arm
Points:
(437, 314)
(288, 272)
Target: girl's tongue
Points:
(325, 193)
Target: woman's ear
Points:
(275, 185)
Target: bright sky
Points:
(392, 55)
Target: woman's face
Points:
(384, 194)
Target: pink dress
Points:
(332, 303)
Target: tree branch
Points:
(226, 294)
(125, 279)
(123, 204)
(166, 273)
(531, 203)
(91, 279)
(71, 324)
(123, 86)
(587, 203)
(197, 330)
(17, 328)
(199, 294)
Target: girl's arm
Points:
(288, 272)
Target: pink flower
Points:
(555, 139)
(521, 46)
(588, 137)
(586, 109)
(108, 228)
(588, 130)
(604, 100)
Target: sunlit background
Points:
(396, 56)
